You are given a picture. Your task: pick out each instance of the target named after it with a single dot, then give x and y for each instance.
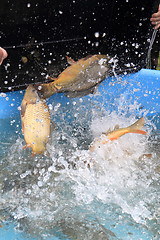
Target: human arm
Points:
(3, 55)
(155, 19)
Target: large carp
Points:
(79, 79)
(36, 121)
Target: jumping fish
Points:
(79, 79)
(36, 121)
(117, 133)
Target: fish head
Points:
(31, 95)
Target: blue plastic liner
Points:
(142, 87)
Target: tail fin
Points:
(137, 126)
(46, 90)
(138, 131)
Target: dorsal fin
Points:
(108, 131)
(70, 60)
(88, 56)
(116, 127)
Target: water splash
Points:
(76, 194)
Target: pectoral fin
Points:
(32, 155)
(112, 139)
(80, 93)
(23, 110)
(53, 126)
(27, 146)
(116, 127)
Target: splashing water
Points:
(76, 194)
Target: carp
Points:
(79, 79)
(36, 121)
(117, 133)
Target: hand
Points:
(3, 55)
(155, 19)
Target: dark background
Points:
(45, 31)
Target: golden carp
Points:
(36, 121)
(79, 79)
(117, 133)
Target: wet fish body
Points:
(81, 76)
(36, 121)
(117, 133)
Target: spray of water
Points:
(79, 194)
(111, 193)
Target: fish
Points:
(36, 121)
(117, 133)
(79, 79)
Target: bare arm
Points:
(3, 55)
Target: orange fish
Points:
(118, 132)
(36, 121)
(79, 79)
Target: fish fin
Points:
(145, 155)
(80, 93)
(70, 60)
(51, 78)
(116, 127)
(32, 155)
(138, 124)
(53, 126)
(106, 133)
(47, 154)
(27, 146)
(46, 90)
(87, 57)
(22, 125)
(92, 148)
(138, 131)
(104, 142)
(113, 138)
(23, 108)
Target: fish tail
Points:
(46, 90)
(138, 131)
(137, 126)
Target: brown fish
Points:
(118, 132)
(78, 79)
(36, 121)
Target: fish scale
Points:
(37, 126)
(82, 76)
